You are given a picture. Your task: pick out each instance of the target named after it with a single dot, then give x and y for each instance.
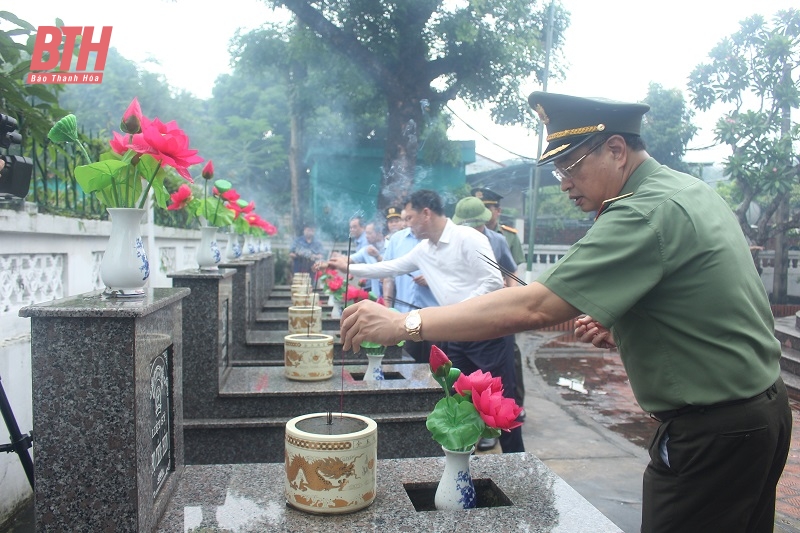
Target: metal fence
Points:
(54, 189)
(53, 185)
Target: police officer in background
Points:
(492, 202)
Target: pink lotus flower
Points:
(170, 145)
(478, 409)
(335, 283)
(247, 207)
(496, 410)
(270, 229)
(115, 181)
(122, 143)
(230, 196)
(180, 198)
(477, 382)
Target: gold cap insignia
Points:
(542, 115)
(479, 194)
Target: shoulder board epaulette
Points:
(610, 201)
(508, 228)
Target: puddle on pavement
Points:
(608, 397)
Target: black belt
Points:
(663, 416)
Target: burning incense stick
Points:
(502, 269)
(398, 301)
(344, 306)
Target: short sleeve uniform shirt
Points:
(669, 270)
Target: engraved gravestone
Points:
(107, 416)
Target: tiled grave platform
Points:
(277, 319)
(250, 498)
(266, 348)
(246, 422)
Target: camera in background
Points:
(15, 177)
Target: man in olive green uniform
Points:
(667, 271)
(492, 201)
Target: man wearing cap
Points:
(492, 201)
(472, 212)
(667, 270)
(394, 222)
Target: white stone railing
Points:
(766, 259)
(45, 257)
(545, 255)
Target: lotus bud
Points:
(131, 119)
(440, 364)
(208, 170)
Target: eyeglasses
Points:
(565, 173)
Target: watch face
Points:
(412, 321)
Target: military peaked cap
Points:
(488, 196)
(572, 120)
(392, 212)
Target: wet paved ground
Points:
(609, 401)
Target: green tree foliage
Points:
(319, 107)
(35, 107)
(433, 51)
(249, 120)
(753, 75)
(667, 127)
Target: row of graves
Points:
(226, 403)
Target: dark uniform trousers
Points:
(495, 356)
(724, 464)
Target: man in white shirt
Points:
(449, 257)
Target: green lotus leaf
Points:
(223, 185)
(97, 176)
(64, 130)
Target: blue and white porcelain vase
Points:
(125, 268)
(374, 371)
(456, 490)
(208, 254)
(249, 245)
(233, 250)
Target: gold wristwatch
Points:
(413, 325)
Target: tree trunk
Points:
(400, 159)
(780, 282)
(296, 174)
